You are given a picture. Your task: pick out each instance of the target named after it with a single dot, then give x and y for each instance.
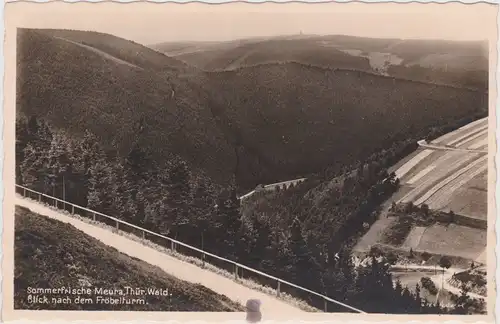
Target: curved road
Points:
(437, 278)
(182, 270)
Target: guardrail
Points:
(174, 243)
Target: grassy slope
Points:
(331, 116)
(52, 254)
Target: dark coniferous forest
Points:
(113, 161)
(296, 245)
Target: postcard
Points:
(249, 162)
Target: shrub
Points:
(426, 256)
(428, 284)
(398, 231)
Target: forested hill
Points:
(258, 124)
(161, 148)
(293, 119)
(125, 106)
(458, 63)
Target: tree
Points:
(463, 303)
(300, 256)
(451, 216)
(418, 298)
(59, 165)
(392, 258)
(375, 251)
(261, 249)
(138, 160)
(229, 214)
(444, 263)
(204, 202)
(409, 207)
(34, 166)
(85, 154)
(424, 209)
(426, 256)
(393, 207)
(23, 138)
(100, 195)
(179, 194)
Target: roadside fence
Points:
(233, 267)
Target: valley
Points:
(286, 155)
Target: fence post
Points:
(203, 259)
(55, 203)
(278, 289)
(172, 246)
(24, 192)
(72, 209)
(326, 305)
(235, 272)
(40, 197)
(143, 235)
(93, 216)
(117, 224)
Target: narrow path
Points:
(101, 53)
(182, 270)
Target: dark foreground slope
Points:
(52, 254)
(261, 124)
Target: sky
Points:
(149, 23)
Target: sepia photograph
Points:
(283, 159)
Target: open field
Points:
(448, 200)
(454, 240)
(477, 137)
(459, 134)
(445, 180)
(450, 180)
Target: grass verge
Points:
(68, 269)
(196, 261)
